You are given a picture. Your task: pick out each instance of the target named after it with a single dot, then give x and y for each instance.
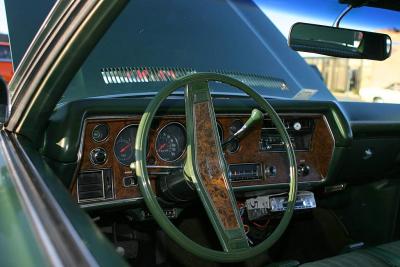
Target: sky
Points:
(3, 20)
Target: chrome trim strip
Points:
(112, 202)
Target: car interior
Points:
(208, 128)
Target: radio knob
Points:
(303, 170)
(98, 156)
(270, 171)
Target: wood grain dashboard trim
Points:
(209, 167)
(319, 157)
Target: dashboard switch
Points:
(129, 181)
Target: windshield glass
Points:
(348, 79)
(153, 42)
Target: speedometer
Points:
(171, 142)
(124, 146)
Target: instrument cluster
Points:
(256, 159)
(169, 145)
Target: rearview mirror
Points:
(339, 42)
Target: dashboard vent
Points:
(143, 75)
(121, 75)
(90, 186)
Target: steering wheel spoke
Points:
(207, 168)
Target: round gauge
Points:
(124, 146)
(171, 142)
(100, 132)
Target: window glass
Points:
(357, 80)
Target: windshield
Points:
(154, 42)
(348, 79)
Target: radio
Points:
(299, 129)
(244, 172)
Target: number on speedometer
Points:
(171, 142)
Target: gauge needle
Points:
(162, 146)
(125, 148)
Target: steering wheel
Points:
(206, 168)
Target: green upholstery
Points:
(383, 255)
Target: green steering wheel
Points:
(205, 167)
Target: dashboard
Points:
(256, 161)
(338, 144)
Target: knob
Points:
(270, 171)
(297, 126)
(303, 170)
(98, 156)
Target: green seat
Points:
(383, 255)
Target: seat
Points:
(380, 256)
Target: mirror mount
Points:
(341, 16)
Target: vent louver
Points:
(90, 186)
(121, 75)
